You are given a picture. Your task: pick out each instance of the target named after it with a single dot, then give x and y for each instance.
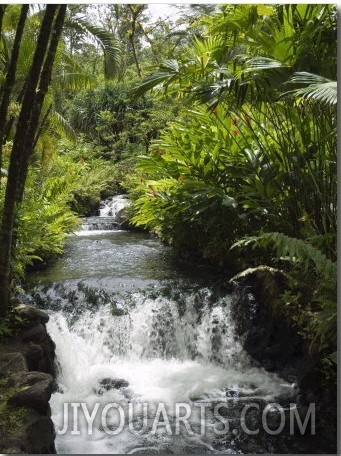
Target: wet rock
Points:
(31, 314)
(34, 390)
(35, 334)
(59, 388)
(12, 362)
(107, 384)
(35, 436)
(41, 435)
(40, 356)
(34, 355)
(267, 334)
(27, 362)
(232, 393)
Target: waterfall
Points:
(112, 206)
(107, 220)
(166, 354)
(135, 329)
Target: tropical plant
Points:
(260, 138)
(45, 220)
(109, 118)
(266, 160)
(249, 51)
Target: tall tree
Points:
(10, 77)
(36, 86)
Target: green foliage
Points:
(248, 51)
(255, 155)
(116, 123)
(310, 300)
(242, 172)
(92, 177)
(11, 325)
(108, 42)
(185, 193)
(317, 88)
(296, 250)
(44, 221)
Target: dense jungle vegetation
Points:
(219, 123)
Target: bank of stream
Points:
(135, 329)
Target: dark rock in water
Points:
(34, 354)
(59, 388)
(274, 343)
(35, 436)
(113, 383)
(108, 384)
(40, 355)
(232, 393)
(35, 333)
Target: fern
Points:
(295, 249)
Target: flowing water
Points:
(142, 340)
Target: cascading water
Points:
(112, 206)
(108, 212)
(134, 329)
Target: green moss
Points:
(11, 417)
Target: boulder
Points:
(12, 362)
(40, 354)
(27, 364)
(41, 435)
(35, 436)
(36, 333)
(34, 390)
(266, 332)
(31, 314)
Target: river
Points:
(146, 346)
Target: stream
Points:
(146, 346)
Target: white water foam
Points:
(167, 357)
(84, 233)
(111, 206)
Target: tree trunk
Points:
(36, 88)
(135, 13)
(10, 77)
(45, 80)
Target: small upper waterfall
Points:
(109, 211)
(112, 206)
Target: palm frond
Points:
(261, 63)
(62, 126)
(317, 88)
(108, 41)
(168, 72)
(73, 81)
